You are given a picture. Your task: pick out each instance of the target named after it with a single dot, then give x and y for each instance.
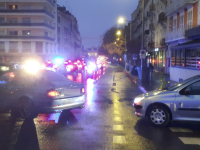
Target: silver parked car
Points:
(180, 102)
(45, 92)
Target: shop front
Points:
(185, 61)
(158, 60)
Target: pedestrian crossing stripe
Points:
(190, 140)
(180, 129)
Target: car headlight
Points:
(138, 99)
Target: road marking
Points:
(190, 140)
(118, 127)
(119, 139)
(180, 130)
(117, 119)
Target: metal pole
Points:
(142, 46)
(125, 51)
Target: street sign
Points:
(142, 54)
(134, 56)
(125, 57)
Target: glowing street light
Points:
(115, 42)
(117, 39)
(119, 32)
(121, 21)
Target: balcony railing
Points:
(175, 34)
(152, 7)
(176, 4)
(28, 25)
(162, 42)
(51, 2)
(162, 17)
(27, 11)
(151, 44)
(26, 37)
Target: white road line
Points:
(118, 127)
(119, 139)
(117, 119)
(190, 140)
(180, 130)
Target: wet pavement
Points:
(106, 123)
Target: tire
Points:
(159, 116)
(26, 109)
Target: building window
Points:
(26, 32)
(13, 32)
(2, 6)
(58, 40)
(26, 7)
(181, 21)
(12, 20)
(174, 24)
(58, 30)
(12, 6)
(26, 47)
(13, 47)
(26, 20)
(2, 32)
(39, 47)
(189, 23)
(182, 58)
(2, 47)
(2, 20)
(45, 33)
(58, 19)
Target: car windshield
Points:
(177, 85)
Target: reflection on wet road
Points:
(106, 122)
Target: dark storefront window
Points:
(182, 57)
(189, 58)
(173, 58)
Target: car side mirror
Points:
(187, 91)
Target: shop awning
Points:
(190, 44)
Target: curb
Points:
(134, 81)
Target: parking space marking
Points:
(180, 130)
(119, 139)
(117, 119)
(190, 140)
(118, 127)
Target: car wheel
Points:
(26, 110)
(159, 116)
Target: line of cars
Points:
(27, 90)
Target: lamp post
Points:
(142, 44)
(122, 21)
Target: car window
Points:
(177, 85)
(55, 77)
(6, 78)
(194, 88)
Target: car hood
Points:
(154, 93)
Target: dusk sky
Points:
(95, 17)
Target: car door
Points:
(188, 102)
(5, 81)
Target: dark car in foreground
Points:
(44, 92)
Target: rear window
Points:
(54, 77)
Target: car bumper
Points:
(139, 110)
(63, 104)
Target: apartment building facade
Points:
(69, 38)
(183, 38)
(27, 29)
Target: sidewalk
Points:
(157, 82)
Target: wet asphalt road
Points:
(106, 122)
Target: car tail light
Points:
(52, 93)
(12, 75)
(83, 90)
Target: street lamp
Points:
(119, 32)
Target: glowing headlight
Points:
(32, 66)
(138, 99)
